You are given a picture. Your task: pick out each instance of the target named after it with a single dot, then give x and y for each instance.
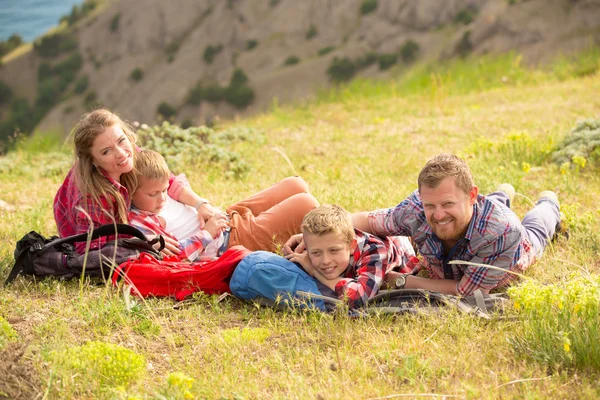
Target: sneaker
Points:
(550, 195)
(561, 227)
(508, 189)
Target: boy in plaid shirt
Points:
(348, 261)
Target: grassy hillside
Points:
(361, 147)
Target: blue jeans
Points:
(539, 223)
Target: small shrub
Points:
(54, 44)
(114, 22)
(239, 96)
(166, 111)
(48, 93)
(368, 6)
(464, 46)
(560, 322)
(195, 95)
(273, 3)
(291, 60)
(171, 50)
(45, 71)
(465, 16)
(211, 52)
(409, 51)
(81, 85)
(136, 74)
(100, 364)
(213, 92)
(238, 78)
(10, 44)
(7, 333)
(178, 386)
(341, 69)
(325, 50)
(366, 60)
(250, 44)
(387, 60)
(196, 146)
(91, 101)
(6, 93)
(312, 32)
(186, 123)
(79, 12)
(583, 142)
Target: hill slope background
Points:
(132, 56)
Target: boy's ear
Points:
(353, 244)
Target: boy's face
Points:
(150, 195)
(329, 254)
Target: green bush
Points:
(48, 93)
(213, 93)
(387, 60)
(239, 96)
(366, 60)
(464, 46)
(291, 60)
(98, 364)
(114, 23)
(250, 44)
(166, 111)
(91, 101)
(81, 85)
(10, 44)
(55, 44)
(136, 74)
(311, 33)
(79, 12)
(368, 6)
(69, 67)
(198, 146)
(171, 50)
(341, 69)
(409, 51)
(21, 117)
(238, 78)
(325, 50)
(211, 52)
(466, 15)
(582, 142)
(6, 93)
(559, 322)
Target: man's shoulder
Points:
(493, 221)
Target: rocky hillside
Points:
(179, 57)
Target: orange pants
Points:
(266, 220)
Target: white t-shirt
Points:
(182, 222)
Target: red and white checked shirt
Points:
(70, 203)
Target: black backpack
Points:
(38, 256)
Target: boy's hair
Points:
(151, 165)
(329, 219)
(444, 166)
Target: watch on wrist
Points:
(400, 282)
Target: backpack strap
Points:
(101, 231)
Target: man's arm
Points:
(360, 220)
(446, 286)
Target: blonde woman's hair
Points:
(329, 219)
(445, 166)
(89, 179)
(151, 165)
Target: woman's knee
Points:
(304, 202)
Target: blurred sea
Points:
(31, 18)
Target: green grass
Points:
(360, 146)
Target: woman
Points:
(94, 193)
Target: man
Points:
(449, 220)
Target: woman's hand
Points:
(205, 212)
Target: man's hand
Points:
(171, 247)
(295, 244)
(304, 261)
